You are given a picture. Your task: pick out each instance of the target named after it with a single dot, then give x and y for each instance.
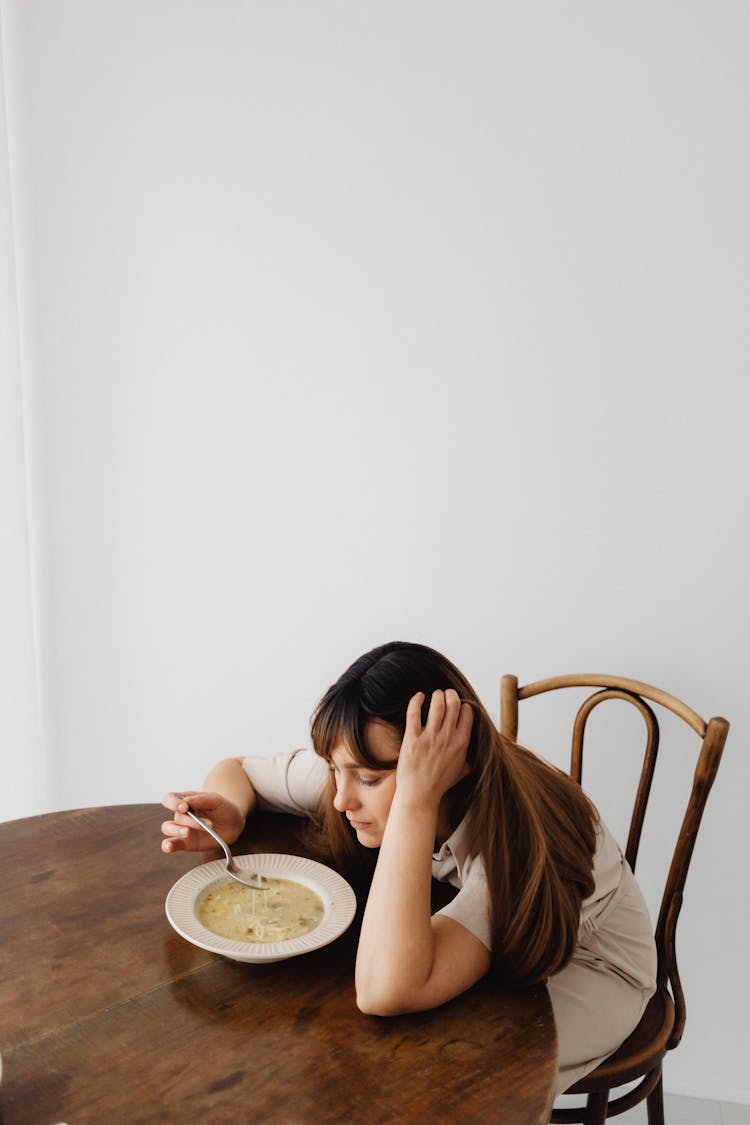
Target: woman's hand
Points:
(225, 801)
(433, 758)
(183, 834)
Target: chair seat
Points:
(641, 1052)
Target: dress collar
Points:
(457, 844)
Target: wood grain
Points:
(108, 1015)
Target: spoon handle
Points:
(248, 879)
(216, 836)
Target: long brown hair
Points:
(533, 826)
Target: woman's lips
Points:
(358, 824)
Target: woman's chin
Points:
(368, 838)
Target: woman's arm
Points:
(406, 960)
(225, 802)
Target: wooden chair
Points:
(663, 1022)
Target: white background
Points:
(331, 323)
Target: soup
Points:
(286, 910)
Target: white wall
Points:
(24, 776)
(362, 321)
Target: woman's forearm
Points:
(396, 947)
(230, 780)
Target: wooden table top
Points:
(109, 1016)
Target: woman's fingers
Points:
(171, 828)
(175, 801)
(465, 721)
(446, 713)
(179, 838)
(414, 715)
(183, 826)
(182, 833)
(465, 716)
(176, 837)
(452, 707)
(176, 830)
(436, 713)
(200, 803)
(191, 844)
(445, 709)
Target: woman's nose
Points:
(345, 797)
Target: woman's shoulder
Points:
(290, 781)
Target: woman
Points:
(406, 760)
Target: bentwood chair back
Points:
(640, 1057)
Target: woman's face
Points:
(364, 795)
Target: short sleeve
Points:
(471, 906)
(291, 782)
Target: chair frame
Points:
(663, 1022)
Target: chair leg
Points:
(655, 1104)
(596, 1108)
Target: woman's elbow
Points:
(374, 1002)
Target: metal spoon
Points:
(247, 878)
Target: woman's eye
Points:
(368, 780)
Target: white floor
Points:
(690, 1111)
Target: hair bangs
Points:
(340, 720)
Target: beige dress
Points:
(600, 995)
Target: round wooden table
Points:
(108, 1016)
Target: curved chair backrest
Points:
(713, 735)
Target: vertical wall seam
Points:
(29, 502)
